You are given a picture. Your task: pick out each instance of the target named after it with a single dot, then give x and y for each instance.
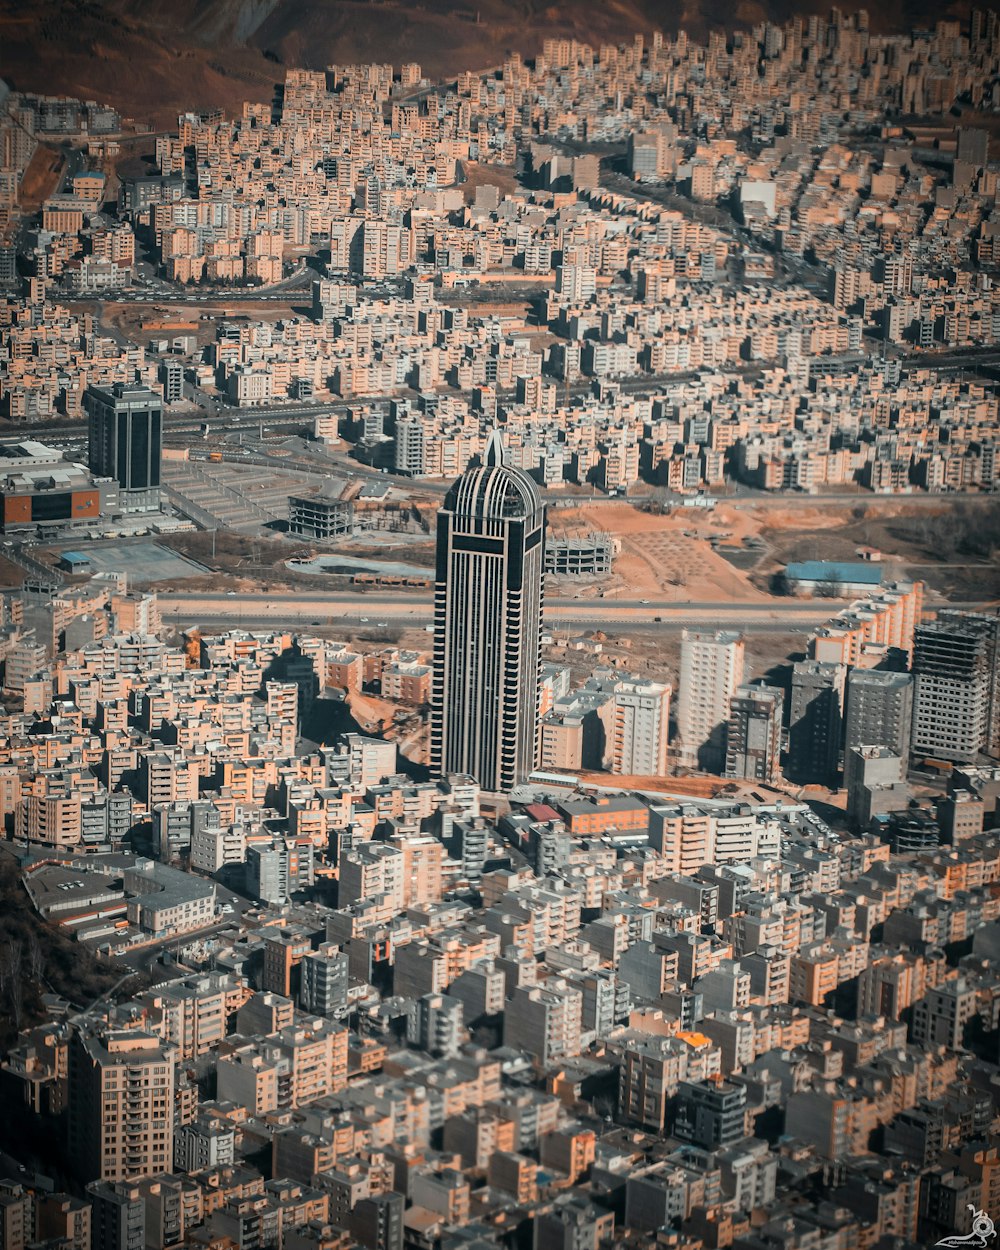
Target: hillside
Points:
(151, 58)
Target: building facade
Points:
(816, 722)
(753, 737)
(487, 632)
(955, 694)
(126, 441)
(879, 710)
(121, 1104)
(711, 672)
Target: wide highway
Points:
(373, 609)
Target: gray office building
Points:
(879, 710)
(8, 265)
(710, 1114)
(816, 722)
(126, 441)
(377, 1223)
(753, 736)
(324, 981)
(487, 624)
(873, 778)
(118, 1216)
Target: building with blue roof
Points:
(75, 562)
(843, 577)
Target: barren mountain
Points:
(152, 58)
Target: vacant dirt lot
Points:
(504, 177)
(40, 178)
(667, 555)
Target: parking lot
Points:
(144, 562)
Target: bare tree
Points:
(36, 959)
(12, 961)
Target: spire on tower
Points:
(494, 453)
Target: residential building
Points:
(710, 674)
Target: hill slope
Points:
(153, 58)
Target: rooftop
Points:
(853, 572)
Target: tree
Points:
(36, 959)
(12, 960)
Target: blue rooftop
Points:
(850, 572)
(75, 557)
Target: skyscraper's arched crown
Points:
(494, 489)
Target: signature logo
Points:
(983, 1231)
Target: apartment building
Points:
(753, 735)
(121, 1104)
(711, 671)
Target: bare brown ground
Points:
(40, 178)
(152, 59)
(667, 554)
(10, 574)
(696, 787)
(503, 177)
(371, 713)
(924, 541)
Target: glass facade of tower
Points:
(488, 618)
(126, 441)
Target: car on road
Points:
(383, 625)
(363, 620)
(644, 602)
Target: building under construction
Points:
(581, 555)
(323, 514)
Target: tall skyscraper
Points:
(126, 441)
(753, 739)
(816, 722)
(711, 671)
(879, 710)
(956, 693)
(487, 624)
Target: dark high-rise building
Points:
(753, 736)
(816, 722)
(879, 710)
(8, 266)
(377, 1223)
(118, 1216)
(487, 624)
(710, 1114)
(324, 981)
(956, 693)
(126, 441)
